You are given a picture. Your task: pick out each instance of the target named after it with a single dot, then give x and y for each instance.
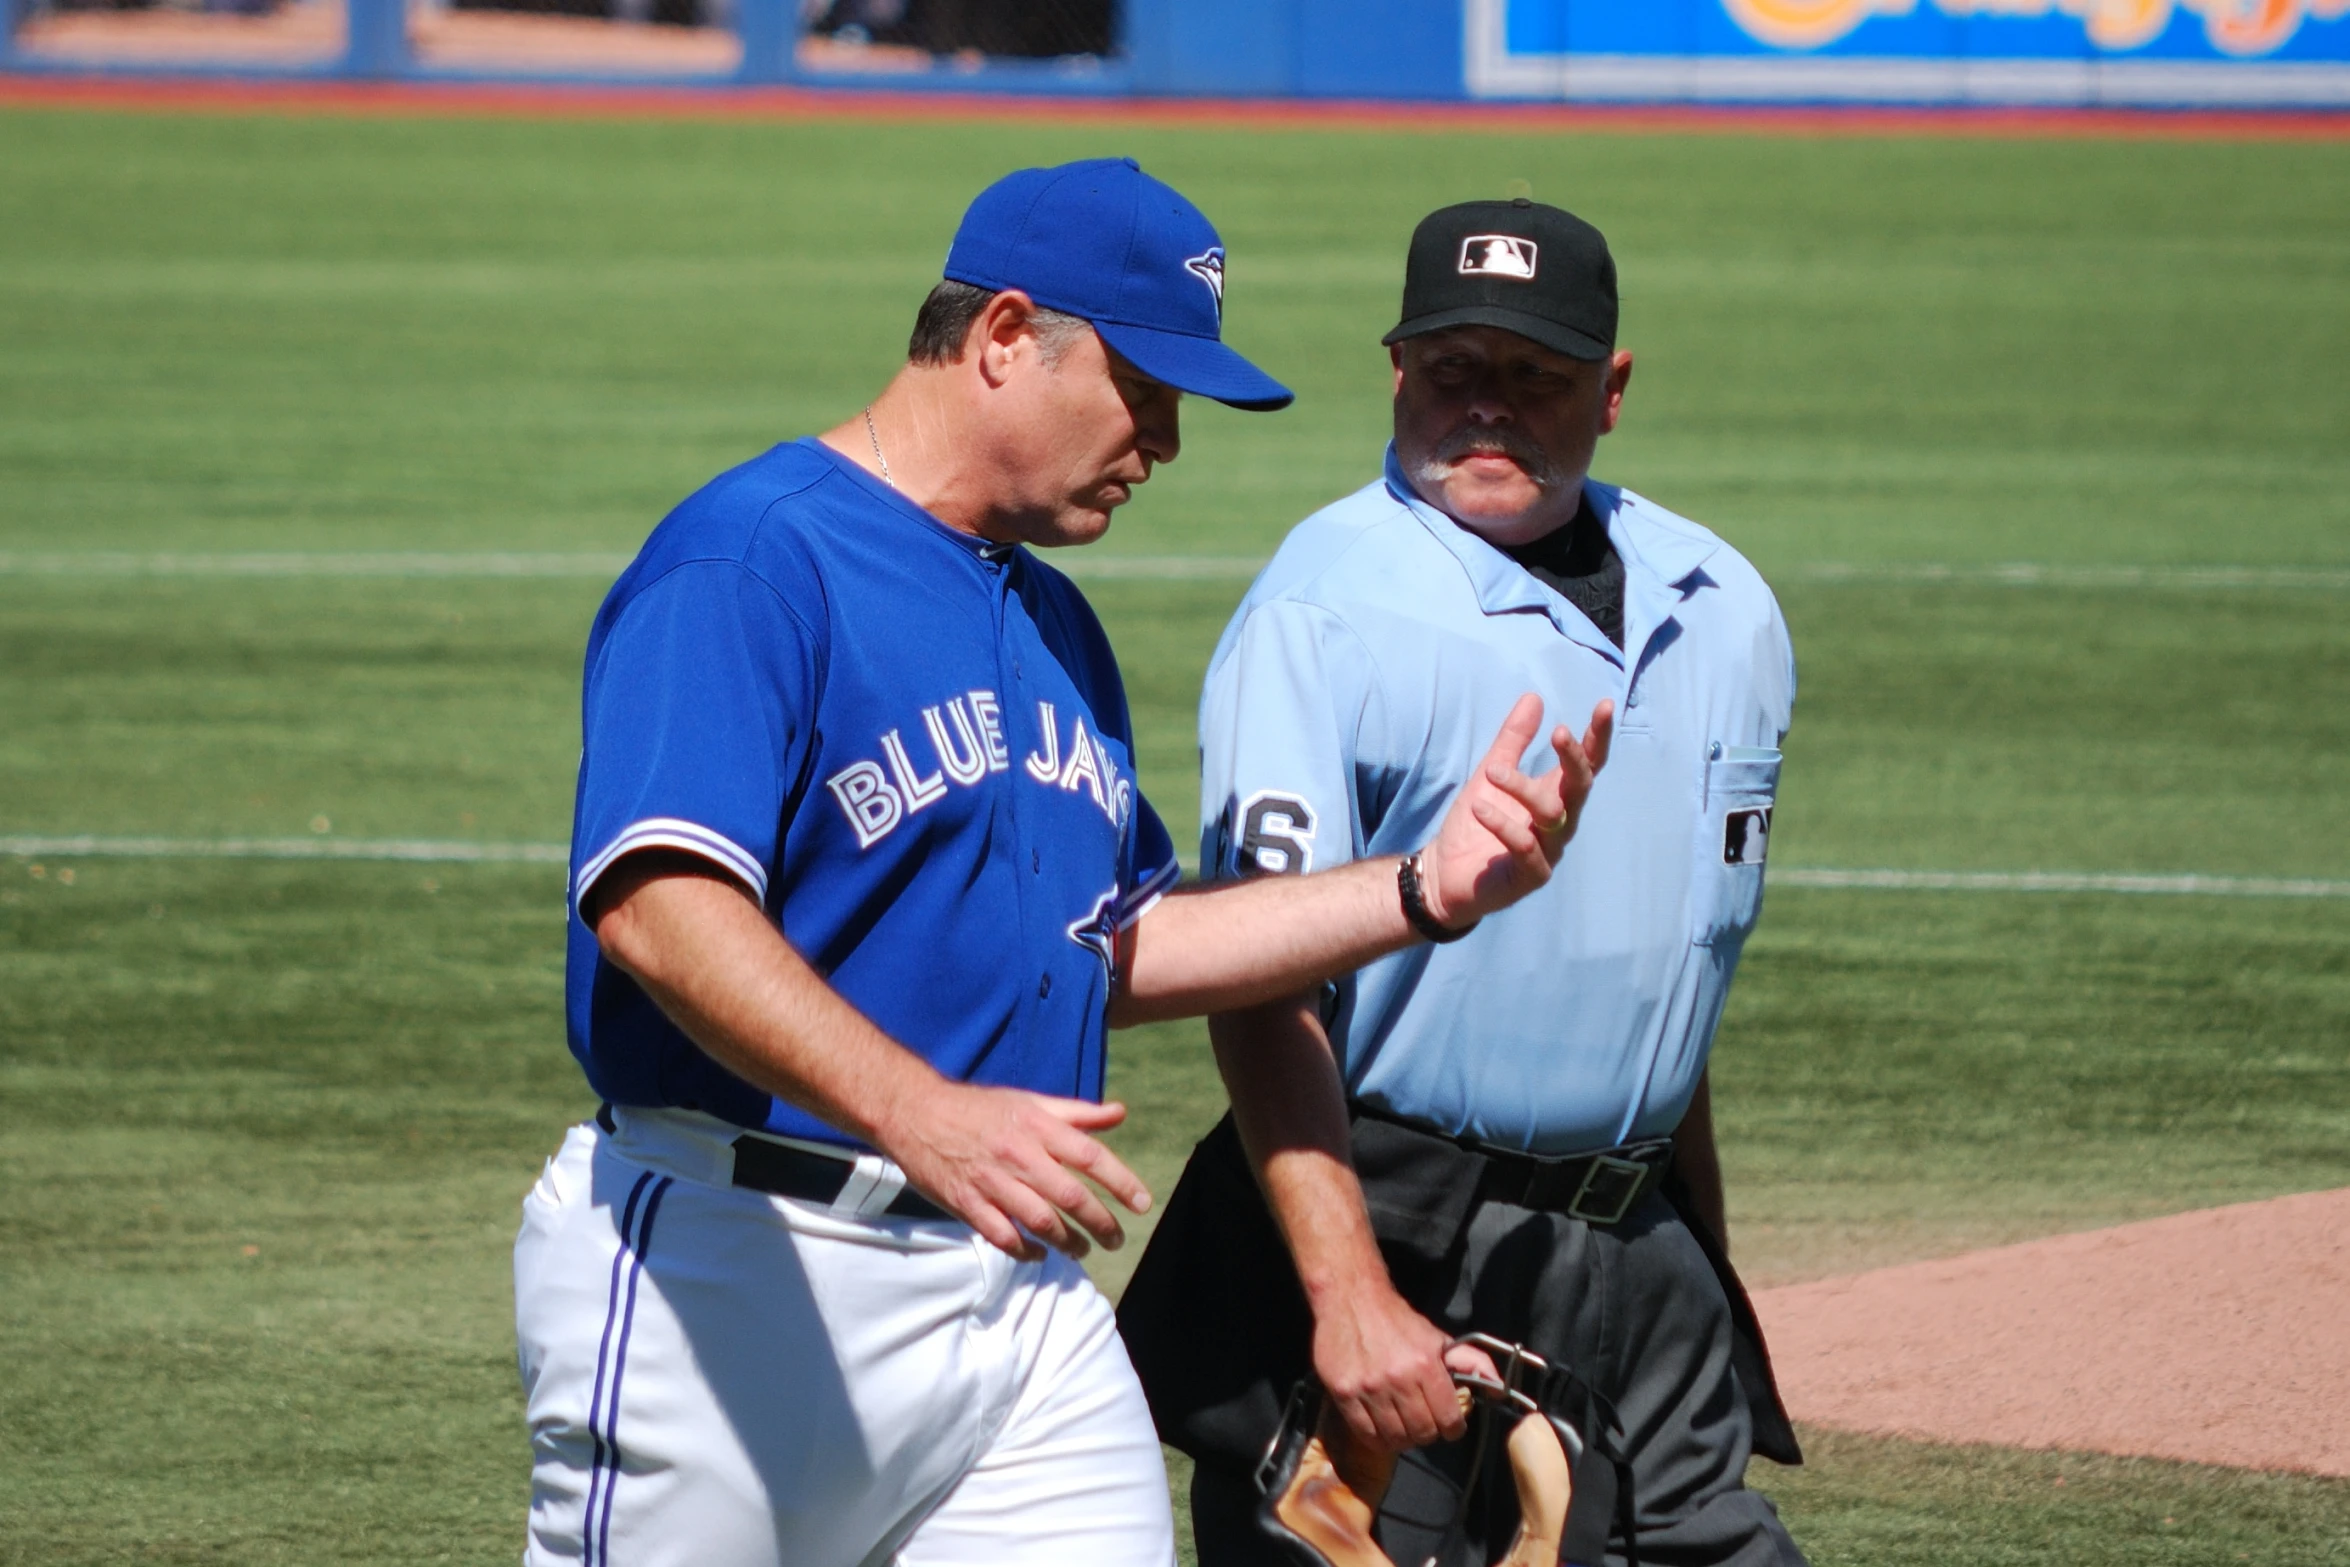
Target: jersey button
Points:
(1044, 987)
(1036, 862)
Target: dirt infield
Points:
(2219, 1337)
(507, 46)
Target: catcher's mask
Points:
(1321, 1489)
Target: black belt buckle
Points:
(1610, 1187)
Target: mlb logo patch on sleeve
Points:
(1746, 836)
(1497, 255)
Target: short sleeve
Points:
(699, 707)
(1772, 671)
(1279, 721)
(1147, 866)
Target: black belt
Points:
(781, 1170)
(1601, 1187)
(784, 1171)
(1598, 1188)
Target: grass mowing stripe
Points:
(355, 1075)
(610, 563)
(454, 852)
(423, 850)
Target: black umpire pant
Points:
(1219, 1332)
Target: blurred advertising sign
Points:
(2247, 28)
(2260, 53)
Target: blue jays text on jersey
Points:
(875, 802)
(1362, 678)
(911, 745)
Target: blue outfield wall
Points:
(2286, 54)
(1297, 48)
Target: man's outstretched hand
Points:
(1505, 831)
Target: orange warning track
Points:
(550, 101)
(2217, 1337)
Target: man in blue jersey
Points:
(860, 875)
(1510, 1133)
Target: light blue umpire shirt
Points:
(1361, 681)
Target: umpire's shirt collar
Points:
(1661, 567)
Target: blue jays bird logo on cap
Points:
(1208, 267)
(1103, 241)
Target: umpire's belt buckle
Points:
(1610, 1187)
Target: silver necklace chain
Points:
(874, 436)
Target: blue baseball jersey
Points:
(910, 744)
(1363, 678)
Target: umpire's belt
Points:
(1602, 1187)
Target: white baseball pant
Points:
(720, 1377)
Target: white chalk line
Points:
(2186, 885)
(320, 563)
(588, 564)
(1162, 568)
(460, 851)
(2027, 574)
(605, 565)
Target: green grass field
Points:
(264, 1125)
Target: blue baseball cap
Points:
(1104, 241)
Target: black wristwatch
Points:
(1415, 907)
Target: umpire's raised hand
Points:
(1506, 830)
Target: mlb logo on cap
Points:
(1526, 268)
(1497, 255)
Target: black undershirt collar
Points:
(1579, 562)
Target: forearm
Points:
(1290, 1109)
(1003, 1160)
(712, 961)
(1698, 1160)
(1226, 948)
(1241, 945)
(1384, 1364)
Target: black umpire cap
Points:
(1527, 268)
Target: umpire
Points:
(1507, 1130)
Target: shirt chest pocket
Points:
(1733, 841)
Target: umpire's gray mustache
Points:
(1490, 442)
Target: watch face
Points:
(1746, 836)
